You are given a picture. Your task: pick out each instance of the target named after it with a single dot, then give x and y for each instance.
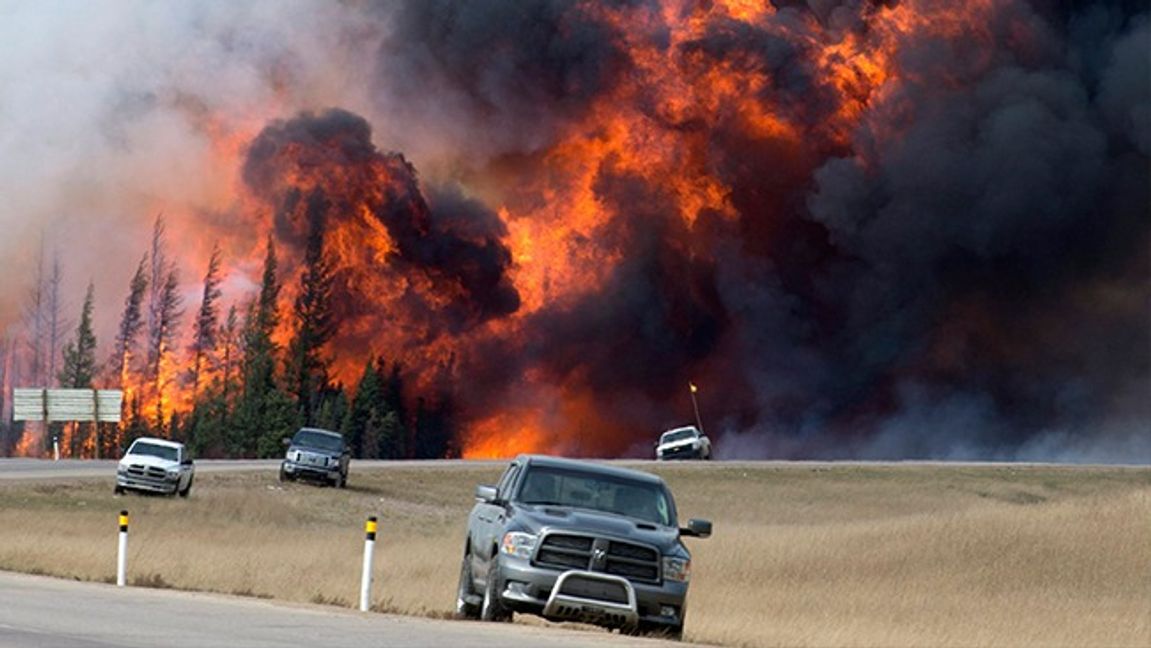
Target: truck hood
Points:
(314, 450)
(148, 460)
(537, 518)
(679, 444)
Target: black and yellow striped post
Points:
(122, 554)
(370, 528)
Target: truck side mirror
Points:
(697, 529)
(286, 442)
(486, 494)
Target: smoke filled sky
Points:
(899, 229)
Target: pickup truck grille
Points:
(685, 451)
(150, 472)
(570, 551)
(312, 459)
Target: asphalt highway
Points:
(17, 468)
(38, 612)
(68, 468)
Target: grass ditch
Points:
(803, 555)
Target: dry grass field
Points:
(803, 554)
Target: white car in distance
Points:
(683, 443)
(155, 466)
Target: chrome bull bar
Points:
(569, 602)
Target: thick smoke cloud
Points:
(963, 277)
(977, 242)
(493, 78)
(327, 162)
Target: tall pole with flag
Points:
(695, 404)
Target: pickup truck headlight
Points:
(677, 569)
(333, 462)
(121, 468)
(173, 472)
(518, 544)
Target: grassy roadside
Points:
(803, 555)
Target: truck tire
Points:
(188, 488)
(118, 490)
(493, 607)
(465, 609)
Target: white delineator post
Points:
(122, 554)
(366, 580)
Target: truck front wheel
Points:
(493, 607)
(466, 592)
(188, 488)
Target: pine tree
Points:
(205, 333)
(168, 315)
(135, 426)
(333, 408)
(264, 413)
(207, 427)
(315, 322)
(79, 368)
(229, 343)
(394, 444)
(164, 301)
(127, 339)
(78, 371)
(158, 269)
(365, 405)
(131, 323)
(54, 321)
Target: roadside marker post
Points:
(122, 554)
(370, 528)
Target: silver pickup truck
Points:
(578, 541)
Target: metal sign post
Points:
(94, 406)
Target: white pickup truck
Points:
(683, 443)
(156, 466)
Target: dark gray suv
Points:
(316, 454)
(578, 541)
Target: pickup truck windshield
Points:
(319, 440)
(588, 490)
(153, 450)
(677, 435)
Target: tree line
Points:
(233, 390)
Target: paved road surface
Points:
(38, 612)
(15, 468)
(69, 468)
(47, 469)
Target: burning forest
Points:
(865, 229)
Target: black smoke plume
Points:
(964, 275)
(327, 162)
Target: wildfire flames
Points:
(746, 194)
